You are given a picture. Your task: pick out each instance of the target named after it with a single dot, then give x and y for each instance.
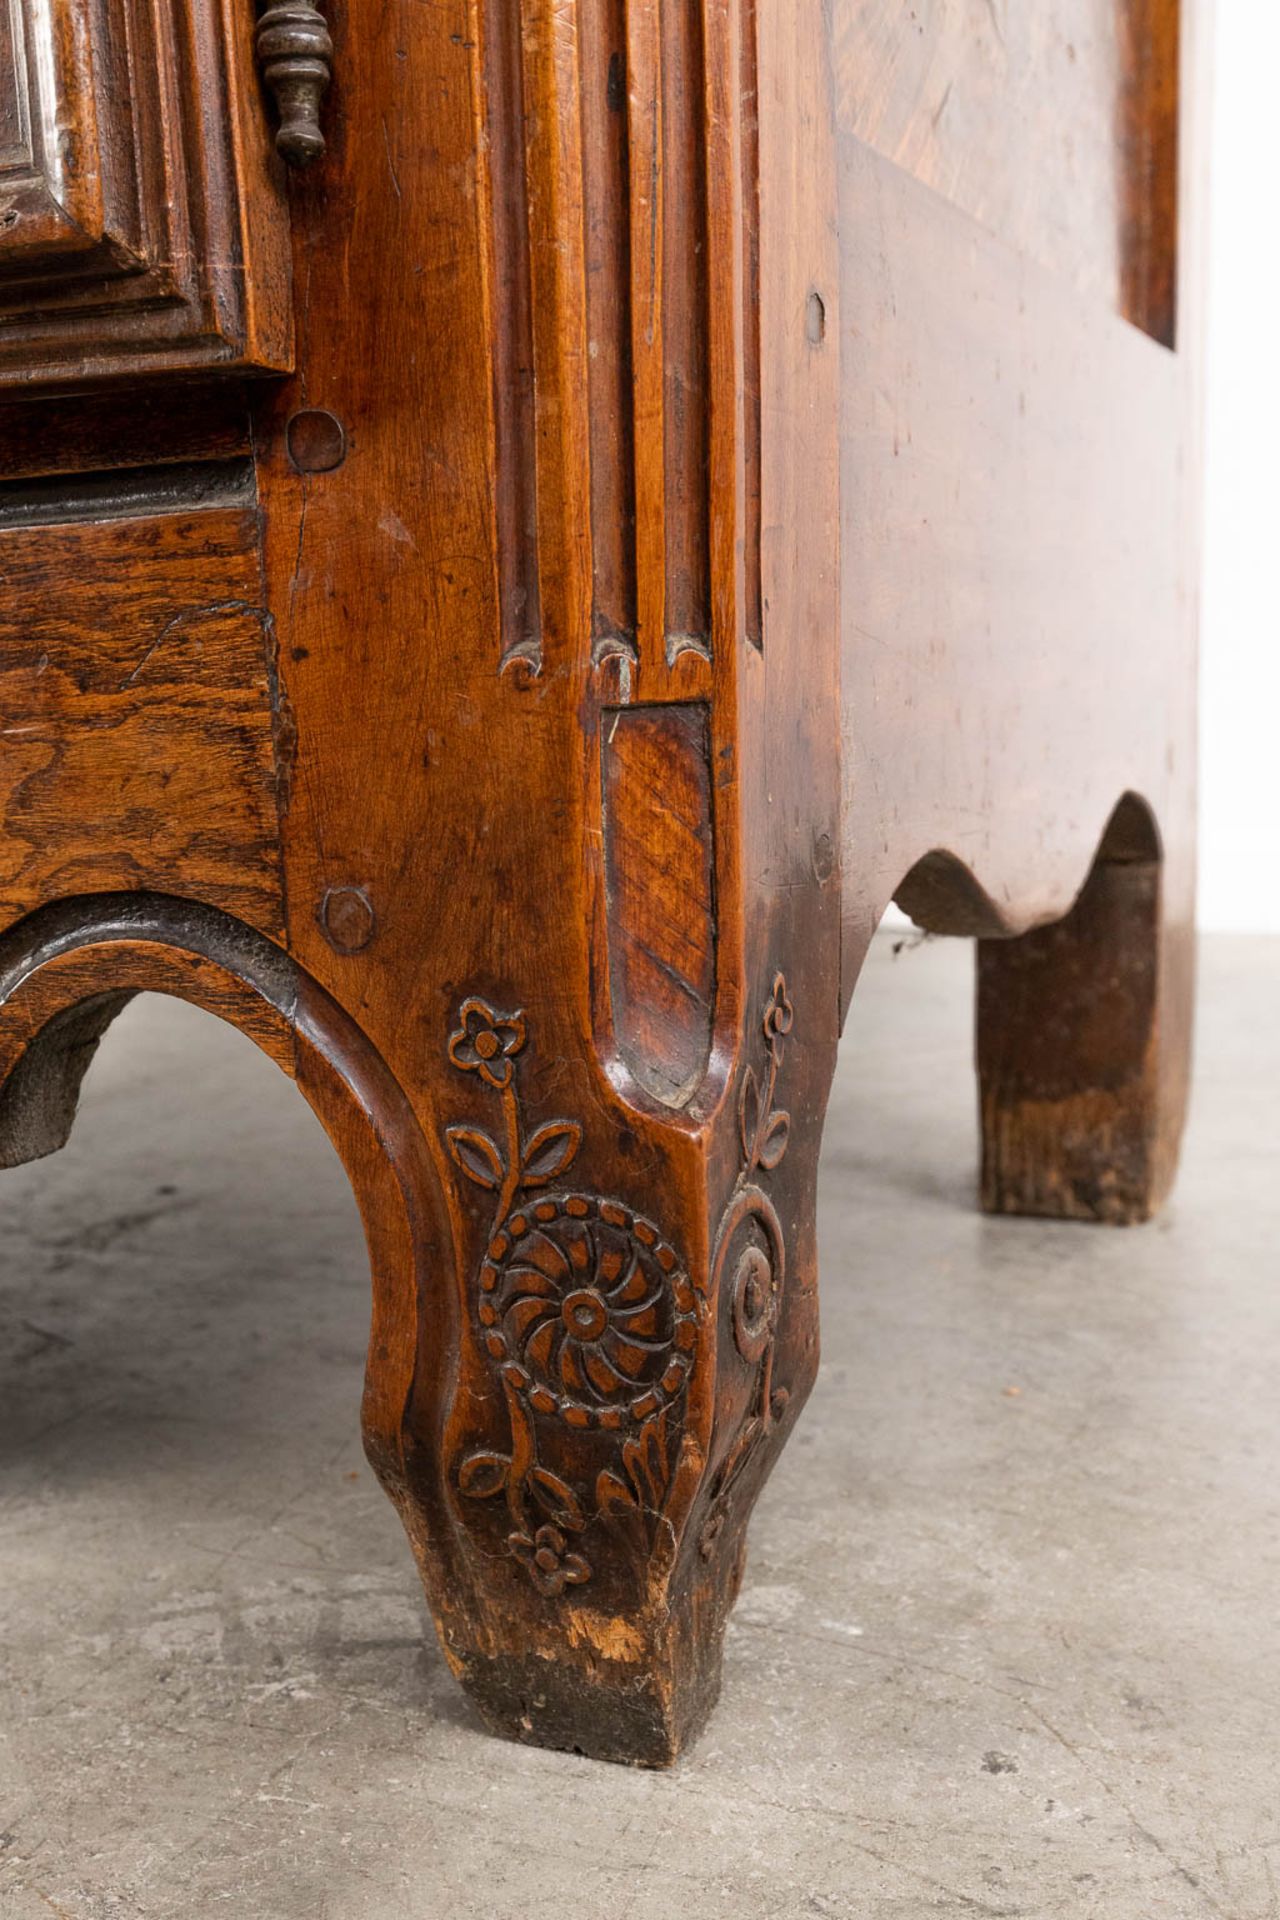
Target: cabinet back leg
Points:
(1084, 1040)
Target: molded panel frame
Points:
(143, 222)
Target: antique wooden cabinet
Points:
(523, 525)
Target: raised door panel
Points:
(69, 183)
(142, 220)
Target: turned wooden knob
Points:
(295, 54)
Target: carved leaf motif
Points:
(612, 1494)
(484, 1474)
(774, 1144)
(557, 1500)
(550, 1152)
(477, 1155)
(645, 1459)
(752, 1432)
(749, 1115)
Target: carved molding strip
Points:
(623, 196)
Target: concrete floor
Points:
(1008, 1642)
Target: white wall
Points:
(1240, 661)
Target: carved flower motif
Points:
(779, 1015)
(590, 1306)
(486, 1042)
(550, 1565)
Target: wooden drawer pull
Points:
(295, 54)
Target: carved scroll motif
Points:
(587, 1317)
(622, 167)
(750, 1253)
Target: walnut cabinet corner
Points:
(524, 524)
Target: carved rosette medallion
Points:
(585, 1312)
(585, 1305)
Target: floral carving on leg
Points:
(750, 1252)
(584, 1310)
(551, 1566)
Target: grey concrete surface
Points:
(1008, 1640)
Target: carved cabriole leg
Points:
(1084, 1041)
(628, 1374)
(575, 1466)
(606, 968)
(638, 1287)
